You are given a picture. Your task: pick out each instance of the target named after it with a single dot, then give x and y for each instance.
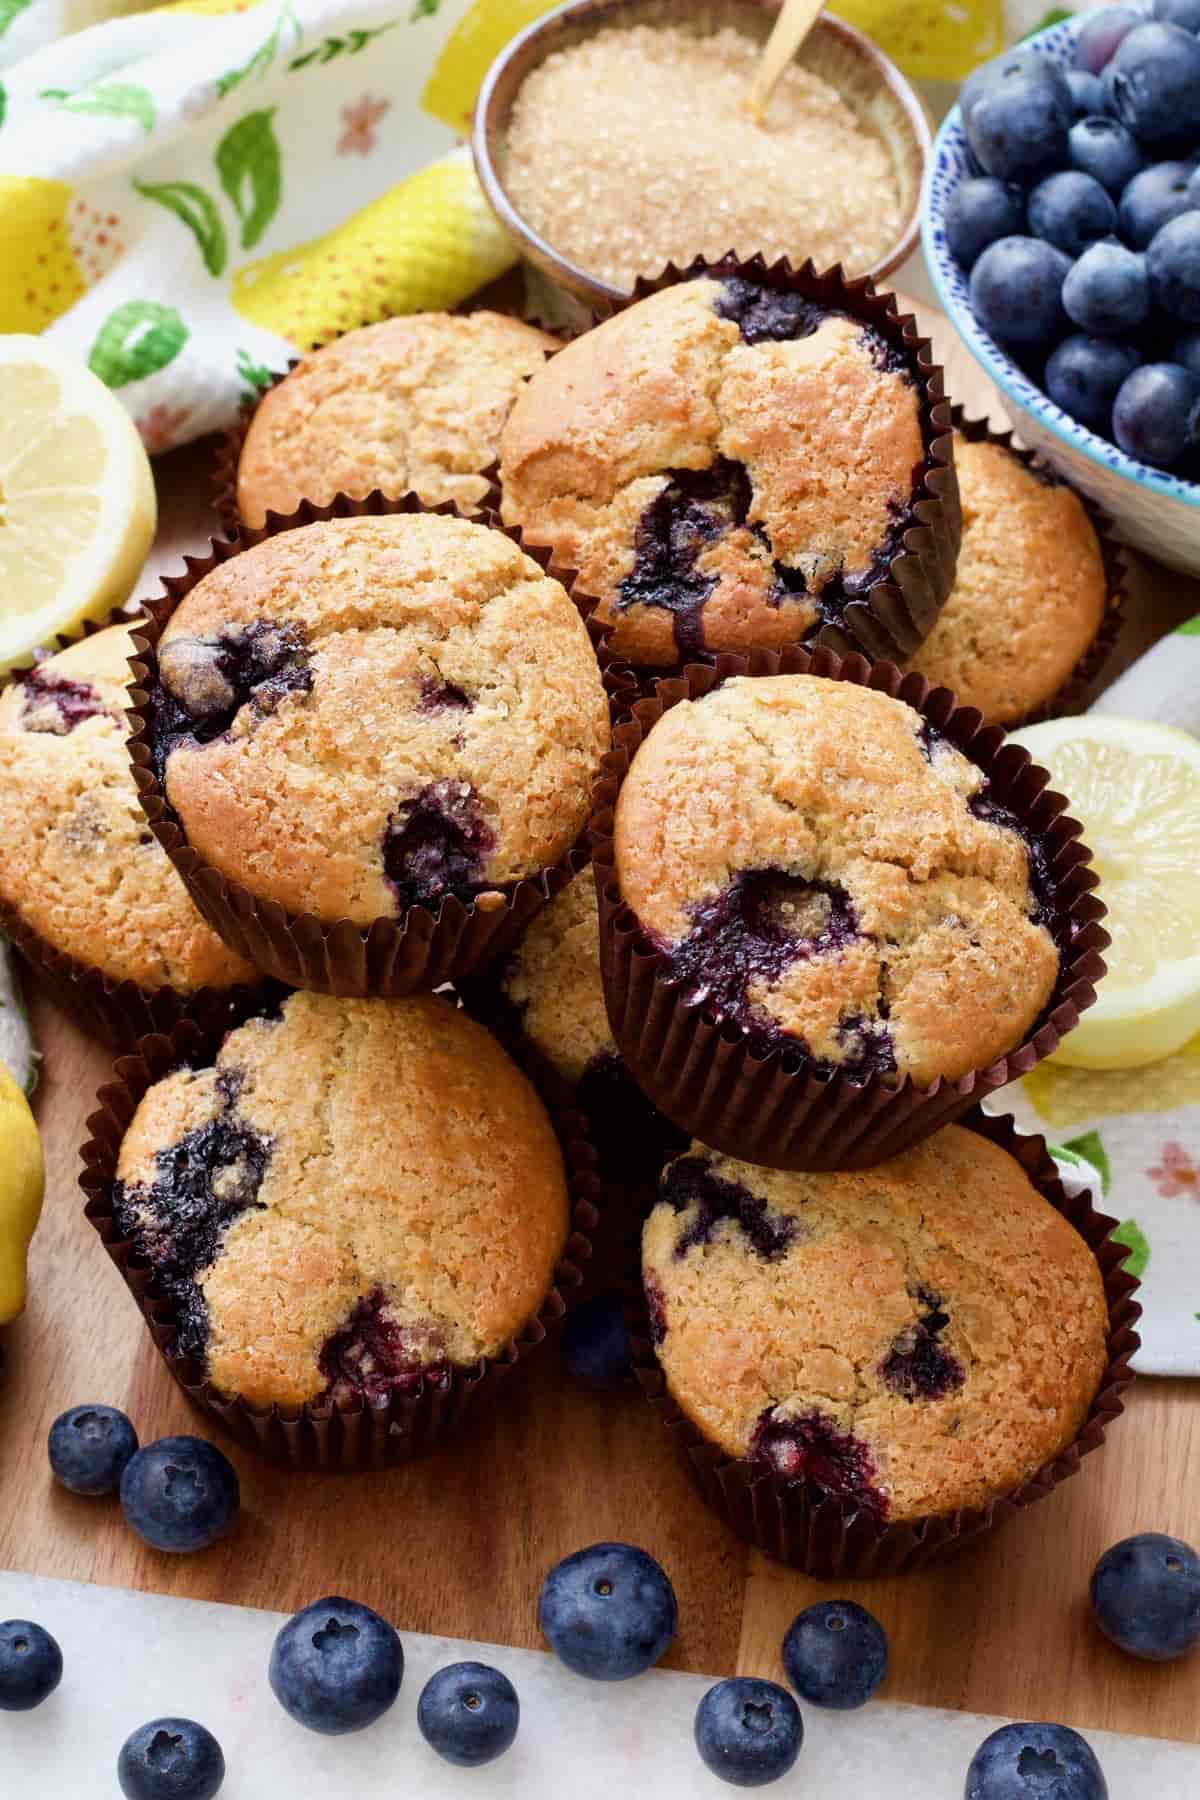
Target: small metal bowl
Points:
(872, 87)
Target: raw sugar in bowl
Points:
(596, 189)
(1156, 510)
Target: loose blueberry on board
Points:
(180, 1494)
(170, 1759)
(1101, 34)
(1145, 1595)
(1018, 126)
(1084, 375)
(89, 1447)
(469, 1714)
(1186, 351)
(1153, 83)
(1035, 1762)
(748, 1732)
(608, 1612)
(31, 1665)
(1173, 264)
(1016, 290)
(1156, 414)
(1071, 210)
(1087, 92)
(978, 212)
(1153, 197)
(1102, 147)
(1107, 292)
(595, 1343)
(1185, 13)
(835, 1654)
(336, 1666)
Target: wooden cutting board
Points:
(458, 1545)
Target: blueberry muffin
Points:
(1029, 594)
(818, 865)
(356, 1194)
(917, 1338)
(415, 403)
(359, 716)
(726, 465)
(79, 866)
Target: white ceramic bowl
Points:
(1153, 510)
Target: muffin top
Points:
(358, 716)
(356, 1193)
(726, 465)
(819, 865)
(78, 861)
(1029, 593)
(553, 980)
(917, 1337)
(415, 403)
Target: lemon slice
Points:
(1135, 788)
(77, 506)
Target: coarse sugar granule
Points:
(634, 148)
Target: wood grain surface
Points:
(458, 1544)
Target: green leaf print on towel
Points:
(197, 211)
(350, 45)
(136, 340)
(1130, 1233)
(1087, 1148)
(10, 10)
(264, 56)
(115, 100)
(251, 171)
(255, 376)
(1190, 628)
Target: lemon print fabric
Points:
(22, 1183)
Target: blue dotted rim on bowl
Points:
(949, 164)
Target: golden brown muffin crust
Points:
(933, 1320)
(553, 979)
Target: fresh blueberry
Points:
(1156, 414)
(1193, 186)
(1071, 210)
(89, 1447)
(1146, 1596)
(1035, 1762)
(170, 1759)
(1153, 197)
(1184, 13)
(469, 1713)
(1001, 68)
(1153, 83)
(748, 1731)
(1103, 148)
(1084, 375)
(1107, 293)
(31, 1665)
(595, 1343)
(1102, 32)
(979, 211)
(1087, 92)
(1186, 351)
(336, 1666)
(608, 1612)
(1173, 263)
(835, 1654)
(180, 1494)
(1018, 127)
(1016, 290)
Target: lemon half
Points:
(1135, 788)
(77, 506)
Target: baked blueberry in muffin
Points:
(413, 403)
(78, 864)
(726, 464)
(820, 867)
(355, 1196)
(359, 716)
(915, 1338)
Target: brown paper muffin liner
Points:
(774, 1109)
(327, 1435)
(392, 956)
(801, 1524)
(116, 1012)
(897, 615)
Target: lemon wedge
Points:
(1135, 788)
(77, 506)
(22, 1181)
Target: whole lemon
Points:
(22, 1184)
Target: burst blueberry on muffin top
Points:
(1029, 592)
(726, 465)
(361, 715)
(915, 1338)
(355, 1195)
(78, 862)
(818, 865)
(416, 402)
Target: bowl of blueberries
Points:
(1061, 225)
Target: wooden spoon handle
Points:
(795, 21)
